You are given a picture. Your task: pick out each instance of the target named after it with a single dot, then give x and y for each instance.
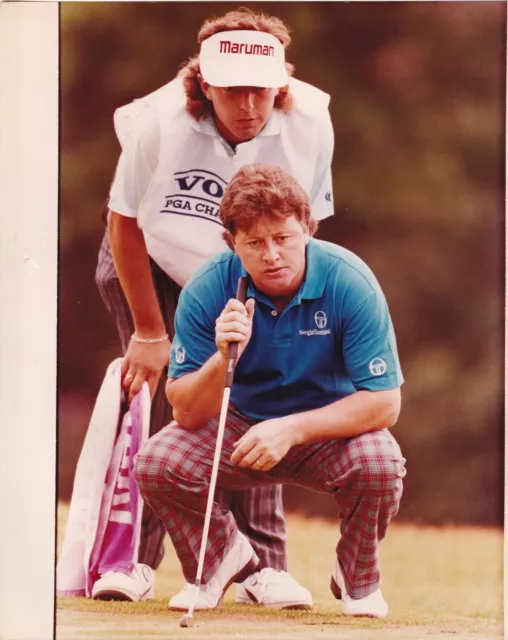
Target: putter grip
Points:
(241, 294)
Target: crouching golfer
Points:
(317, 386)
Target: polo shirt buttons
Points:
(274, 313)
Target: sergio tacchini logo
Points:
(377, 366)
(180, 355)
(321, 321)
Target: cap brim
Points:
(243, 75)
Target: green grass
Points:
(439, 582)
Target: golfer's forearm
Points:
(133, 267)
(359, 413)
(196, 397)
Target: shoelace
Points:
(270, 577)
(136, 572)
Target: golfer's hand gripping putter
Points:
(241, 294)
(187, 619)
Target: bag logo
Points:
(377, 366)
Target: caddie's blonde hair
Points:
(198, 105)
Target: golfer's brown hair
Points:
(258, 190)
(198, 105)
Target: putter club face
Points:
(186, 621)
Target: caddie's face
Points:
(240, 112)
(273, 254)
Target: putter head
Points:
(186, 621)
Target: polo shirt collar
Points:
(205, 125)
(313, 284)
(273, 125)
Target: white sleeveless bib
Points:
(179, 213)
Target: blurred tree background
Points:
(418, 106)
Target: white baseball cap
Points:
(243, 58)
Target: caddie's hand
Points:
(264, 445)
(234, 325)
(144, 362)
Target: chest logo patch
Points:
(377, 366)
(180, 355)
(320, 319)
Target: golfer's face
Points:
(273, 254)
(241, 112)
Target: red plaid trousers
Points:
(363, 474)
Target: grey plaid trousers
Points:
(257, 511)
(363, 474)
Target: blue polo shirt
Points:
(334, 337)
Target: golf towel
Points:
(104, 523)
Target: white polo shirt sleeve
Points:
(321, 195)
(137, 163)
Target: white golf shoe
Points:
(113, 585)
(240, 561)
(372, 606)
(273, 589)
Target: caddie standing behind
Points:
(233, 104)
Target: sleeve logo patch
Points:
(180, 355)
(377, 366)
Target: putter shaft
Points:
(186, 620)
(209, 504)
